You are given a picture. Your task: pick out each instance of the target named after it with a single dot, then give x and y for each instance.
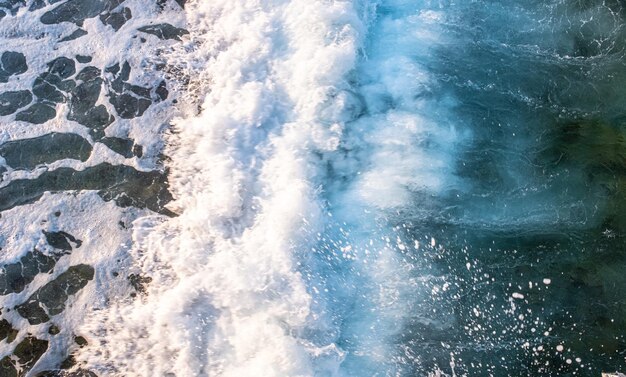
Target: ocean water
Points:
(312, 188)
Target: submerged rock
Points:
(116, 19)
(180, 3)
(12, 5)
(161, 91)
(37, 4)
(61, 240)
(6, 331)
(75, 35)
(83, 101)
(12, 63)
(121, 183)
(53, 85)
(66, 373)
(119, 145)
(29, 153)
(47, 92)
(14, 277)
(29, 350)
(164, 31)
(7, 369)
(83, 58)
(62, 67)
(129, 100)
(10, 102)
(54, 330)
(76, 11)
(129, 106)
(50, 299)
(81, 341)
(25, 356)
(139, 282)
(37, 114)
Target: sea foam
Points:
(284, 260)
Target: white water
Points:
(284, 260)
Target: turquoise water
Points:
(537, 194)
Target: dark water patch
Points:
(597, 148)
(590, 144)
(517, 87)
(37, 114)
(164, 31)
(116, 19)
(29, 153)
(50, 299)
(12, 101)
(592, 28)
(121, 183)
(75, 35)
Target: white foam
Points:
(257, 276)
(227, 297)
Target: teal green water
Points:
(542, 86)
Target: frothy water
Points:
(284, 259)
